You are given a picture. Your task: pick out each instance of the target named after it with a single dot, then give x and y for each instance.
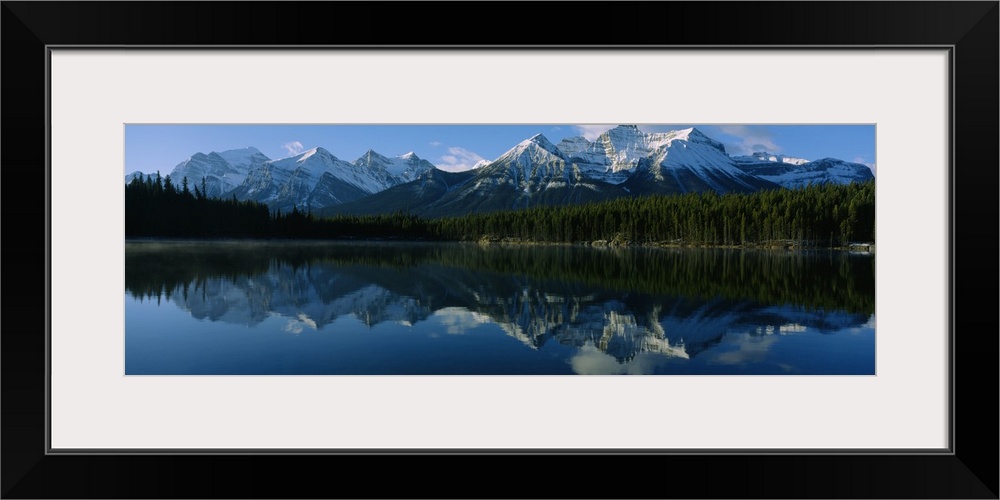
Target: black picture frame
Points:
(968, 471)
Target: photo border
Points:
(917, 421)
(30, 30)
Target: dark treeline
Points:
(825, 215)
(831, 280)
(823, 279)
(154, 206)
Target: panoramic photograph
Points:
(553, 249)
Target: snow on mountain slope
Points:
(262, 184)
(132, 176)
(393, 171)
(222, 171)
(533, 165)
(679, 178)
(768, 157)
(534, 172)
(616, 153)
(418, 197)
(312, 164)
(626, 144)
(590, 157)
(796, 175)
(244, 158)
(680, 161)
(315, 179)
(293, 181)
(532, 158)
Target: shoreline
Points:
(767, 245)
(787, 245)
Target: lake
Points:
(371, 308)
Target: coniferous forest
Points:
(826, 215)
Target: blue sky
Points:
(149, 148)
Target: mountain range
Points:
(623, 161)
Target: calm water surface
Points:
(456, 309)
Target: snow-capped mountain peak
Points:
(372, 160)
(393, 171)
(694, 135)
(371, 153)
(305, 155)
(240, 153)
(132, 176)
(536, 146)
(539, 140)
(307, 166)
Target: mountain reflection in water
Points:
(616, 310)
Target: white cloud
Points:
(300, 323)
(293, 327)
(591, 132)
(749, 349)
(866, 329)
(293, 148)
(752, 138)
(590, 360)
(459, 159)
(435, 143)
(458, 321)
